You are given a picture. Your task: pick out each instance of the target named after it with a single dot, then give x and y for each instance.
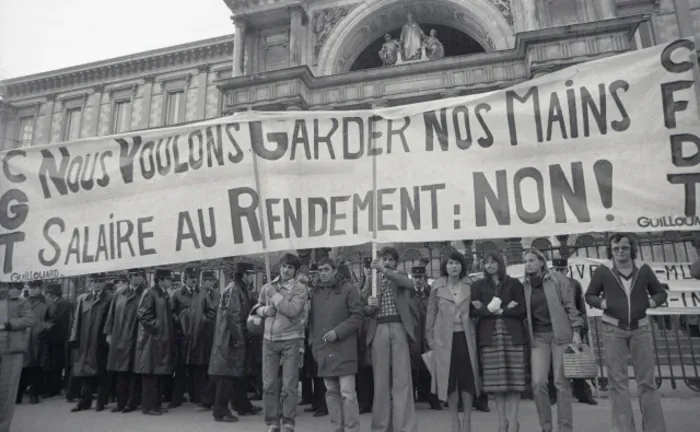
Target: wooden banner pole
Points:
(375, 222)
(261, 216)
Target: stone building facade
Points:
(325, 54)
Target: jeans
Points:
(342, 403)
(545, 353)
(286, 354)
(619, 344)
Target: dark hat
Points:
(98, 277)
(176, 276)
(121, 277)
(560, 263)
(243, 267)
(54, 288)
(209, 275)
(313, 268)
(344, 271)
(35, 284)
(418, 271)
(163, 274)
(191, 273)
(136, 271)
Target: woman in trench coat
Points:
(449, 333)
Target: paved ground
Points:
(681, 407)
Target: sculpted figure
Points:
(411, 39)
(433, 46)
(390, 51)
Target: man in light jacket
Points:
(16, 318)
(336, 316)
(624, 290)
(283, 304)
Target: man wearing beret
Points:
(121, 329)
(58, 320)
(91, 348)
(15, 318)
(155, 343)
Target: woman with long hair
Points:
(554, 323)
(499, 303)
(449, 334)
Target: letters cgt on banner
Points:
(606, 145)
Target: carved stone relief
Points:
(324, 21)
(505, 8)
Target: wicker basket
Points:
(580, 362)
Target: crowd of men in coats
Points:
(139, 346)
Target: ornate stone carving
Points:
(391, 50)
(433, 47)
(505, 8)
(412, 39)
(324, 21)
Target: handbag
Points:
(580, 362)
(255, 323)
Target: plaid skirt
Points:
(502, 363)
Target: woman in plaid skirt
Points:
(499, 303)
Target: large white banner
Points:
(602, 146)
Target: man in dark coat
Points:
(315, 384)
(335, 319)
(121, 330)
(91, 348)
(581, 390)
(155, 342)
(194, 309)
(32, 373)
(16, 319)
(227, 365)
(58, 320)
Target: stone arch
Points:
(479, 19)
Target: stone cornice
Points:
(552, 48)
(132, 66)
(237, 6)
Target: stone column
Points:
(147, 99)
(514, 250)
(525, 15)
(202, 81)
(97, 106)
(240, 28)
(607, 9)
(296, 34)
(50, 101)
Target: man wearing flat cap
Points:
(581, 390)
(155, 343)
(15, 318)
(58, 320)
(194, 311)
(91, 348)
(121, 329)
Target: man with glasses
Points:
(624, 289)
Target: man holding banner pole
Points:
(391, 328)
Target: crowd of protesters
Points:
(353, 347)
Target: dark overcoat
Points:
(37, 342)
(338, 308)
(195, 312)
(228, 354)
(155, 342)
(122, 326)
(87, 335)
(58, 320)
